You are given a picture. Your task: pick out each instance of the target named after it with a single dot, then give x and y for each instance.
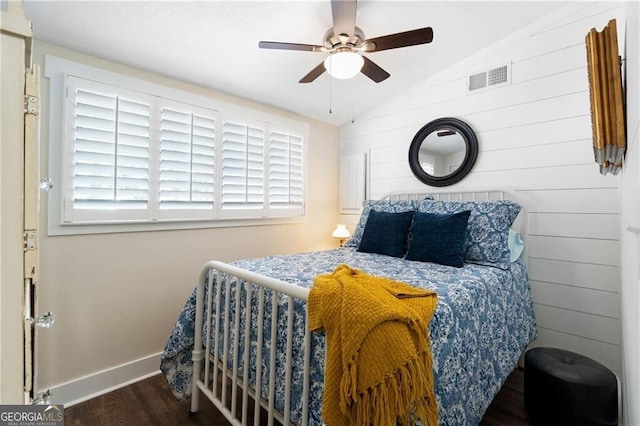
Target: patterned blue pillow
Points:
(386, 206)
(487, 241)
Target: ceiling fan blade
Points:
(313, 74)
(344, 16)
(373, 71)
(289, 46)
(404, 39)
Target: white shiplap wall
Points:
(535, 137)
(630, 222)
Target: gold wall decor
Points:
(607, 102)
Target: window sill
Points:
(124, 226)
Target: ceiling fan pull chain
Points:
(330, 96)
(353, 100)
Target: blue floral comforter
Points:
(483, 322)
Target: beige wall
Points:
(117, 296)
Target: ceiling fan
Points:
(346, 42)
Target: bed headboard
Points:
(520, 225)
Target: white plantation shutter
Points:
(242, 166)
(110, 150)
(187, 160)
(133, 157)
(285, 171)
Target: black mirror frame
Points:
(470, 157)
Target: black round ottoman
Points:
(566, 388)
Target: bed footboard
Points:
(231, 330)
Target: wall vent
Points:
(478, 81)
(492, 77)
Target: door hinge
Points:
(30, 240)
(31, 104)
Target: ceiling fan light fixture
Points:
(344, 65)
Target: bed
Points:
(483, 322)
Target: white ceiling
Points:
(215, 43)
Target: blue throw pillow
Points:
(381, 206)
(386, 233)
(487, 241)
(438, 238)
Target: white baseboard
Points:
(105, 381)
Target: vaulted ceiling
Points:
(215, 43)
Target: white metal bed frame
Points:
(218, 390)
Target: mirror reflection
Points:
(442, 152)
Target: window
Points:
(285, 172)
(242, 167)
(108, 157)
(186, 167)
(262, 171)
(132, 157)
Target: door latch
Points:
(45, 320)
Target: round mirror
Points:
(443, 152)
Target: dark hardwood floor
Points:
(507, 408)
(150, 402)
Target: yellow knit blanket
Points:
(378, 362)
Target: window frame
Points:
(57, 70)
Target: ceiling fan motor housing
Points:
(335, 42)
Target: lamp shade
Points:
(344, 65)
(341, 231)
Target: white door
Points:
(32, 186)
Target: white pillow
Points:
(516, 245)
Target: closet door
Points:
(32, 187)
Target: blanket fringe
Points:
(398, 397)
